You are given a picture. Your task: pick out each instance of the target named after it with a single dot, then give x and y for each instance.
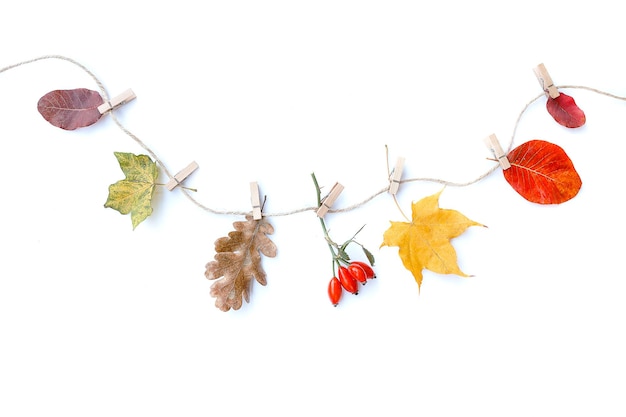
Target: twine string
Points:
(303, 209)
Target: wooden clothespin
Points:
(396, 176)
(492, 143)
(180, 177)
(256, 201)
(117, 101)
(547, 85)
(329, 200)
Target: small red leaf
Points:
(542, 173)
(565, 111)
(71, 109)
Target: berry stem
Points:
(331, 245)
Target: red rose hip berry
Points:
(334, 291)
(348, 281)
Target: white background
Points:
(99, 320)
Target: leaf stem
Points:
(400, 208)
(195, 190)
(389, 176)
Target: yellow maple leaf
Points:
(424, 243)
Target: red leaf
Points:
(541, 172)
(70, 109)
(565, 111)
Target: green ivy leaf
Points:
(134, 193)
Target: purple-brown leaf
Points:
(71, 109)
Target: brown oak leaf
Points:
(238, 261)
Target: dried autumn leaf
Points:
(425, 242)
(238, 261)
(134, 193)
(565, 111)
(71, 109)
(542, 173)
